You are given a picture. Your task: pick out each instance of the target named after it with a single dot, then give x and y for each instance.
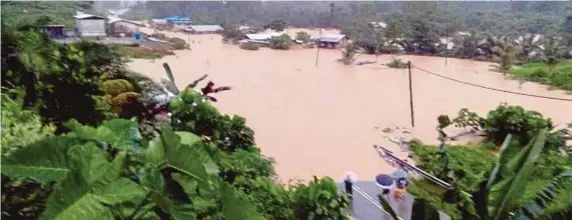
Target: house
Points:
(331, 40)
(118, 26)
(262, 36)
(159, 24)
(178, 22)
(53, 30)
(90, 25)
(204, 29)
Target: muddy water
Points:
(321, 120)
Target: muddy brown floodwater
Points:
(321, 120)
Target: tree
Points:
(551, 51)
(303, 36)
(277, 25)
(505, 54)
(466, 46)
(349, 53)
(282, 42)
(567, 30)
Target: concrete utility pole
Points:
(411, 95)
(318, 47)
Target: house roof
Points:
(159, 21)
(333, 38)
(262, 36)
(205, 28)
(87, 16)
(178, 20)
(114, 20)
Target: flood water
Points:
(321, 120)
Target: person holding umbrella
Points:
(349, 181)
(385, 182)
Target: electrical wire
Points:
(490, 88)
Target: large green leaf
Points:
(506, 192)
(118, 133)
(43, 161)
(182, 212)
(171, 86)
(534, 208)
(78, 196)
(234, 207)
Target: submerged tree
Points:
(505, 53)
(349, 53)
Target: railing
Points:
(388, 156)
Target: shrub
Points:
(249, 46)
(507, 119)
(232, 33)
(397, 63)
(282, 42)
(138, 52)
(320, 200)
(178, 43)
(303, 36)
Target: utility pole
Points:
(411, 96)
(318, 47)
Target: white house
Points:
(90, 25)
(204, 29)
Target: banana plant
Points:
(106, 173)
(421, 210)
(208, 89)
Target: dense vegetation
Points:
(550, 173)
(119, 146)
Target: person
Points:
(399, 192)
(349, 181)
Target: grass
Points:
(474, 160)
(558, 76)
(138, 52)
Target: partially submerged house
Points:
(54, 30)
(204, 29)
(90, 25)
(262, 36)
(331, 40)
(159, 23)
(118, 26)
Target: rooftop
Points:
(88, 16)
(262, 36)
(205, 28)
(334, 38)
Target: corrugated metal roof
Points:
(205, 28)
(86, 16)
(262, 36)
(159, 21)
(334, 38)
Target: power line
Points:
(494, 89)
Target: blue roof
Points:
(177, 19)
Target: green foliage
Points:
(96, 183)
(191, 112)
(505, 53)
(303, 36)
(20, 127)
(233, 33)
(466, 46)
(398, 64)
(282, 42)
(60, 12)
(138, 53)
(320, 200)
(558, 75)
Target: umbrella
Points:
(399, 173)
(384, 181)
(351, 176)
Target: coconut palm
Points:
(505, 53)
(528, 45)
(551, 50)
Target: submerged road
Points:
(366, 205)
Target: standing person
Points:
(349, 181)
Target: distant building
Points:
(262, 36)
(159, 24)
(204, 29)
(118, 26)
(178, 22)
(90, 25)
(331, 40)
(54, 30)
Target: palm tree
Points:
(505, 53)
(529, 45)
(551, 50)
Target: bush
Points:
(558, 75)
(178, 43)
(320, 200)
(397, 63)
(249, 46)
(282, 42)
(138, 52)
(507, 119)
(303, 36)
(232, 33)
